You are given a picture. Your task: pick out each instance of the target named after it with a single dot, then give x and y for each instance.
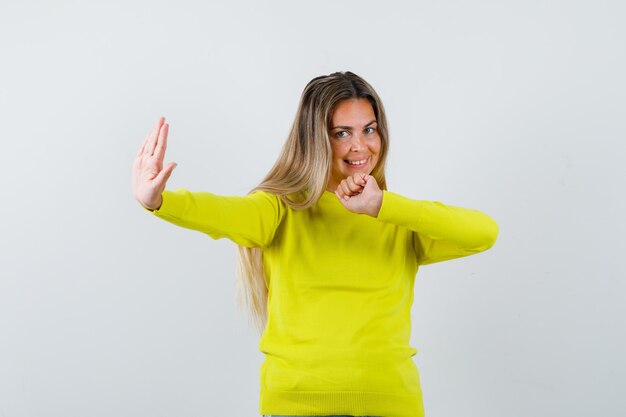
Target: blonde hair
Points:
(301, 173)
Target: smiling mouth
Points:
(357, 163)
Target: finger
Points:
(345, 188)
(351, 185)
(338, 192)
(137, 162)
(341, 196)
(149, 135)
(164, 175)
(154, 136)
(159, 122)
(354, 187)
(159, 152)
(143, 145)
(140, 151)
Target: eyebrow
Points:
(350, 127)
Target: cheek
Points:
(338, 153)
(376, 149)
(378, 144)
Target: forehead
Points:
(353, 112)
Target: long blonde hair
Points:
(301, 173)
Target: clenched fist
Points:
(360, 193)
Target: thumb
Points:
(371, 181)
(165, 173)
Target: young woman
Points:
(327, 254)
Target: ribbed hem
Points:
(316, 403)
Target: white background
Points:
(515, 108)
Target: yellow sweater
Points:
(340, 292)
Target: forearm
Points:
(249, 220)
(467, 228)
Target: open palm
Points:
(149, 176)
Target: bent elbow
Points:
(490, 235)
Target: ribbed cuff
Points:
(314, 403)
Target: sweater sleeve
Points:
(249, 220)
(440, 232)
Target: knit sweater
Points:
(340, 290)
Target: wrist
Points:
(377, 203)
(155, 206)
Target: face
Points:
(354, 139)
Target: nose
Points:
(358, 142)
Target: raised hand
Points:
(360, 193)
(149, 176)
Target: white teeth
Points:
(357, 162)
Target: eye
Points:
(341, 134)
(370, 130)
